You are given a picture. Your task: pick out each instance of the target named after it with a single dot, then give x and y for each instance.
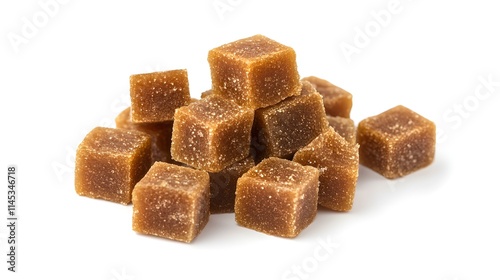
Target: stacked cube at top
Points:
(254, 72)
(155, 96)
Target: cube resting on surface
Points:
(155, 96)
(109, 162)
(277, 197)
(255, 72)
(223, 186)
(338, 163)
(396, 142)
(171, 202)
(161, 134)
(337, 101)
(284, 128)
(211, 134)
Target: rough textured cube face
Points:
(280, 130)
(161, 134)
(255, 72)
(109, 162)
(396, 142)
(343, 126)
(277, 197)
(211, 134)
(338, 102)
(338, 163)
(171, 202)
(155, 96)
(206, 93)
(223, 186)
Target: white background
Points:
(70, 74)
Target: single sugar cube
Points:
(277, 197)
(280, 130)
(171, 202)
(109, 162)
(255, 72)
(338, 102)
(223, 186)
(155, 96)
(161, 134)
(343, 126)
(396, 142)
(211, 134)
(338, 163)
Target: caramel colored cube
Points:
(255, 72)
(343, 126)
(338, 102)
(206, 93)
(211, 134)
(396, 142)
(223, 186)
(284, 128)
(171, 202)
(109, 162)
(338, 163)
(277, 197)
(155, 96)
(161, 134)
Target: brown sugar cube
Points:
(161, 134)
(338, 102)
(109, 162)
(343, 126)
(338, 163)
(155, 96)
(223, 186)
(206, 93)
(396, 142)
(277, 197)
(171, 202)
(211, 134)
(284, 128)
(255, 72)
